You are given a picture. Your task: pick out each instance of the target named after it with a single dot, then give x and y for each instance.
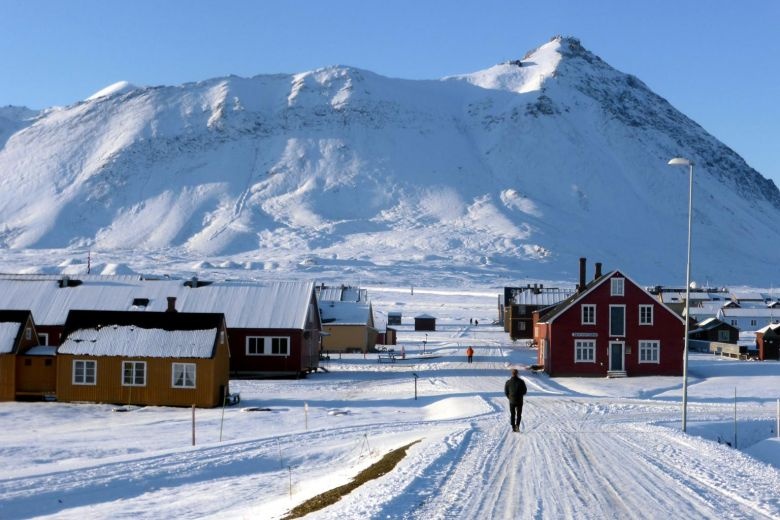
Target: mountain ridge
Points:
(524, 166)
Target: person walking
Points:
(470, 354)
(515, 389)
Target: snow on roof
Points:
(424, 317)
(342, 293)
(132, 341)
(748, 295)
(41, 350)
(345, 313)
(737, 312)
(8, 333)
(249, 304)
(544, 297)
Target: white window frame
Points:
(43, 338)
(617, 286)
(584, 351)
(81, 365)
(264, 346)
(650, 314)
(625, 325)
(585, 309)
(186, 369)
(650, 350)
(28, 333)
(134, 372)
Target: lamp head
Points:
(680, 161)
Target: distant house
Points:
(273, 327)
(520, 303)
(610, 327)
(750, 318)
(22, 373)
(424, 322)
(144, 358)
(350, 326)
(712, 329)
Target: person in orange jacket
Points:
(470, 354)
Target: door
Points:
(617, 356)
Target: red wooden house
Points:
(610, 327)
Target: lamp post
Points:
(680, 161)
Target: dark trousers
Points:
(515, 412)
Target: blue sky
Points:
(716, 61)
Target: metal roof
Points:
(246, 304)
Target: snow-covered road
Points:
(587, 448)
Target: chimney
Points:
(171, 304)
(581, 286)
(598, 271)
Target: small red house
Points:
(610, 327)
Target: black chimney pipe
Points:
(598, 271)
(581, 287)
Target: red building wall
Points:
(567, 327)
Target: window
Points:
(267, 346)
(521, 325)
(584, 351)
(752, 323)
(618, 286)
(649, 351)
(733, 323)
(588, 314)
(84, 372)
(617, 320)
(47, 363)
(28, 333)
(723, 335)
(28, 362)
(43, 338)
(133, 373)
(645, 314)
(183, 375)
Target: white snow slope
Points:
(522, 167)
(588, 448)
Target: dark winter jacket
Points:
(515, 389)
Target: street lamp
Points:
(680, 161)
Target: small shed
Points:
(424, 322)
(768, 340)
(388, 337)
(394, 318)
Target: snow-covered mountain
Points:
(520, 168)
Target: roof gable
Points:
(590, 288)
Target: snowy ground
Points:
(589, 448)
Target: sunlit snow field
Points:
(587, 446)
